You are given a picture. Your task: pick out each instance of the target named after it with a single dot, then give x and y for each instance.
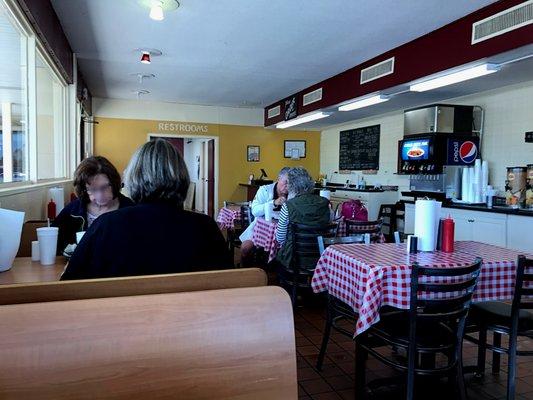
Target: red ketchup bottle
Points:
(448, 227)
(51, 209)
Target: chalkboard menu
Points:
(359, 148)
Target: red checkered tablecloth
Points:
(367, 277)
(264, 235)
(227, 216)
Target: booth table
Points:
(25, 270)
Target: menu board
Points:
(359, 148)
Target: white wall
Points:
(151, 110)
(508, 114)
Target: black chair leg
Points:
(497, 342)
(325, 338)
(511, 370)
(460, 381)
(481, 352)
(361, 356)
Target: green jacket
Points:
(309, 209)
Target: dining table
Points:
(367, 277)
(227, 216)
(24, 270)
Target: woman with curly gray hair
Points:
(156, 236)
(302, 207)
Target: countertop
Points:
(369, 189)
(495, 209)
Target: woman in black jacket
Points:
(156, 236)
(97, 184)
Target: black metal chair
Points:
(360, 228)
(435, 323)
(513, 320)
(233, 240)
(387, 214)
(336, 310)
(305, 255)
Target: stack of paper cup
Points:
(47, 244)
(269, 208)
(326, 194)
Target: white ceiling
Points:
(240, 52)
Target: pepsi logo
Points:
(468, 152)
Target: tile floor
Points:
(336, 380)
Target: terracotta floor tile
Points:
(316, 386)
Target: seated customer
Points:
(302, 207)
(157, 236)
(97, 184)
(275, 194)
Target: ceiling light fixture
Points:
(141, 76)
(139, 92)
(145, 58)
(303, 119)
(158, 8)
(364, 102)
(455, 77)
(156, 11)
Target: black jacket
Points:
(73, 218)
(149, 238)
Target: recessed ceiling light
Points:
(142, 76)
(159, 7)
(140, 92)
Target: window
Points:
(13, 94)
(50, 126)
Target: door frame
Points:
(192, 136)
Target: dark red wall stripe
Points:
(444, 48)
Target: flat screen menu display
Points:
(415, 150)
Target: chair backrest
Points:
(523, 292)
(443, 295)
(246, 216)
(362, 228)
(29, 234)
(387, 213)
(305, 243)
(131, 286)
(192, 345)
(323, 242)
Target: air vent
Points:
(274, 112)
(378, 70)
(505, 21)
(311, 97)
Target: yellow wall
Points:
(117, 139)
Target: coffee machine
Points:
(439, 140)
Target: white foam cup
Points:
(47, 244)
(35, 250)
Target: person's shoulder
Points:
(125, 201)
(75, 207)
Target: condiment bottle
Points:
(51, 209)
(448, 227)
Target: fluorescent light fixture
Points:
(364, 102)
(302, 120)
(455, 77)
(156, 11)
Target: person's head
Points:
(282, 181)
(157, 172)
(96, 181)
(299, 182)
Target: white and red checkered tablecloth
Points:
(227, 216)
(264, 235)
(367, 277)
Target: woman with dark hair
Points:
(97, 184)
(157, 236)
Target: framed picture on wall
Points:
(252, 153)
(294, 149)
